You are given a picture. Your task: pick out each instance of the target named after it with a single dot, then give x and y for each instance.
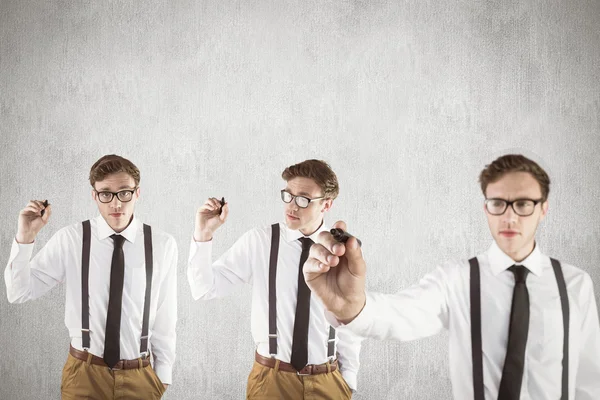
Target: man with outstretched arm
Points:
(522, 325)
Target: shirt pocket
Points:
(135, 284)
(551, 343)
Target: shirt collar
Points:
(500, 261)
(104, 230)
(290, 235)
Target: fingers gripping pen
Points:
(341, 236)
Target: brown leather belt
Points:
(310, 369)
(123, 364)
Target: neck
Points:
(312, 229)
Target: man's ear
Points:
(545, 206)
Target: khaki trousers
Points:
(83, 380)
(266, 383)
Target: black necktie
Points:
(112, 345)
(300, 339)
(512, 374)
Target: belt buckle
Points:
(115, 368)
(309, 369)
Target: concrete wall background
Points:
(406, 100)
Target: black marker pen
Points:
(46, 204)
(341, 236)
(222, 204)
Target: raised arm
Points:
(207, 279)
(28, 279)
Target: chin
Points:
(118, 224)
(510, 247)
(118, 228)
(293, 225)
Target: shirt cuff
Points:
(21, 251)
(202, 251)
(164, 373)
(359, 325)
(350, 378)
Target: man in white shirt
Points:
(522, 326)
(298, 355)
(121, 284)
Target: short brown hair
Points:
(317, 170)
(113, 164)
(514, 163)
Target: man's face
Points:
(116, 213)
(308, 219)
(515, 234)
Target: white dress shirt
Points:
(441, 300)
(60, 261)
(248, 261)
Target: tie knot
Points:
(118, 240)
(520, 273)
(306, 242)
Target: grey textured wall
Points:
(406, 100)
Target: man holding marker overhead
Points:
(121, 289)
(298, 354)
(523, 326)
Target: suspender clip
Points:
(85, 332)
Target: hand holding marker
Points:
(341, 236)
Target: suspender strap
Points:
(564, 301)
(272, 290)
(331, 343)
(476, 347)
(149, 265)
(85, 295)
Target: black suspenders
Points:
(85, 293)
(275, 234)
(476, 347)
(149, 264)
(273, 290)
(564, 302)
(85, 273)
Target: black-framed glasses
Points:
(123, 195)
(301, 201)
(521, 207)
